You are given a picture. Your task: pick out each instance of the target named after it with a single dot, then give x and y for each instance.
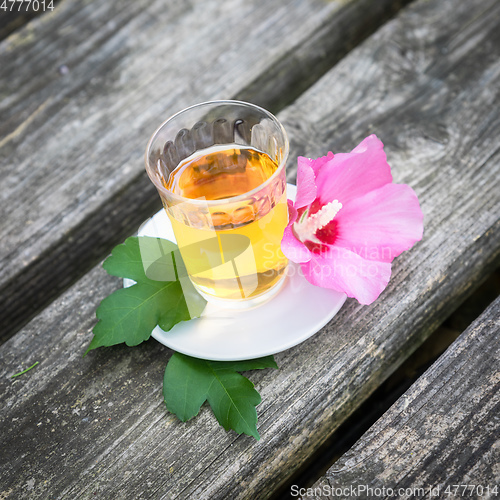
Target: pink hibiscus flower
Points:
(349, 221)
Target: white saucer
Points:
(297, 312)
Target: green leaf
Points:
(143, 258)
(189, 382)
(129, 315)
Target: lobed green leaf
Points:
(189, 382)
(163, 294)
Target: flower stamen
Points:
(325, 215)
(306, 228)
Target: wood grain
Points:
(76, 427)
(443, 431)
(83, 89)
(18, 14)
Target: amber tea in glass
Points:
(220, 170)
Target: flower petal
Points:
(381, 224)
(347, 176)
(306, 186)
(318, 163)
(294, 249)
(347, 272)
(292, 212)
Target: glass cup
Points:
(219, 168)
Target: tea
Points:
(232, 249)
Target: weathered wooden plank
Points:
(16, 15)
(443, 431)
(286, 79)
(442, 56)
(84, 87)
